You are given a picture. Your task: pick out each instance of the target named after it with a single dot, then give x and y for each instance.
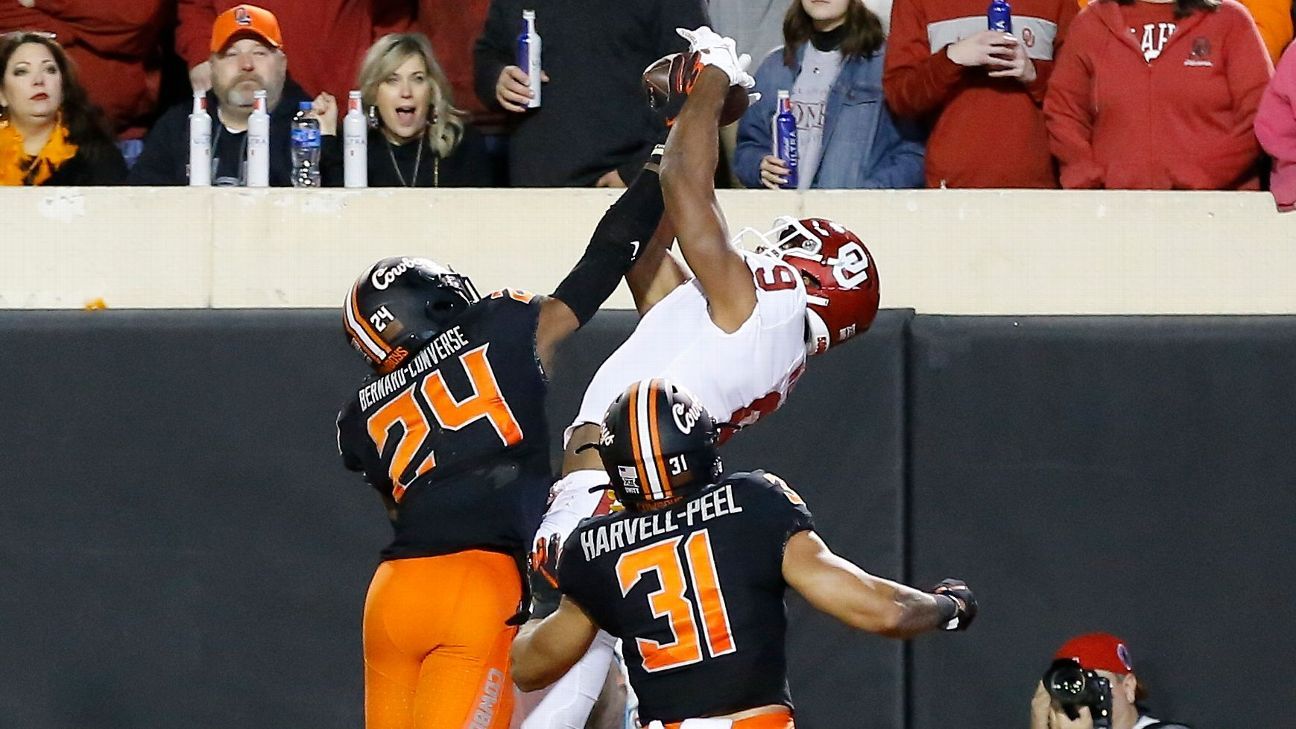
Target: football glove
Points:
(543, 575)
(965, 604)
(719, 51)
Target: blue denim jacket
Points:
(864, 145)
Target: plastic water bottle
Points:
(355, 144)
(258, 142)
(999, 16)
(528, 55)
(200, 136)
(305, 147)
(785, 137)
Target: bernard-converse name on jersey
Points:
(446, 345)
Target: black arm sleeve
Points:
(623, 232)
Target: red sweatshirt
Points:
(114, 45)
(324, 40)
(986, 132)
(1180, 121)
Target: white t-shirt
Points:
(738, 377)
(810, 91)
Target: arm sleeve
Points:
(916, 81)
(332, 173)
(754, 131)
(1275, 122)
(1248, 70)
(194, 21)
(901, 166)
(1038, 89)
(1069, 116)
(492, 52)
(166, 143)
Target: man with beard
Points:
(247, 56)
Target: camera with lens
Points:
(1073, 686)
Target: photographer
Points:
(1091, 684)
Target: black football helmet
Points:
(400, 304)
(658, 444)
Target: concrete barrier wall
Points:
(939, 251)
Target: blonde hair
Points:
(445, 122)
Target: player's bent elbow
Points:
(527, 678)
(527, 672)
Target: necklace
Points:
(418, 161)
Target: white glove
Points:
(719, 51)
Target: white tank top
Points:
(738, 377)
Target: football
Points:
(666, 82)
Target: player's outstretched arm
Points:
(656, 272)
(543, 652)
(688, 184)
(620, 238)
(836, 586)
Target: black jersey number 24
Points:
(416, 407)
(676, 570)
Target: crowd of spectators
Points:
(1125, 94)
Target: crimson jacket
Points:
(114, 46)
(1183, 121)
(985, 132)
(324, 40)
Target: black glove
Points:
(668, 81)
(964, 604)
(545, 595)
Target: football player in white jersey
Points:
(734, 327)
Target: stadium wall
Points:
(939, 251)
(181, 547)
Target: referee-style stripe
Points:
(360, 330)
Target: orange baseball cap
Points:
(245, 20)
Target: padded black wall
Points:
(179, 545)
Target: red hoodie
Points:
(324, 40)
(986, 132)
(114, 46)
(1181, 121)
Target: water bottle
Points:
(355, 144)
(528, 55)
(258, 142)
(785, 137)
(999, 16)
(200, 136)
(305, 147)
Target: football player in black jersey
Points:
(691, 576)
(450, 429)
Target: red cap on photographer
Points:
(1098, 652)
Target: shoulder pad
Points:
(769, 482)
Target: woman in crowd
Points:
(419, 138)
(1160, 95)
(847, 138)
(49, 132)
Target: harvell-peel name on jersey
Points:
(620, 534)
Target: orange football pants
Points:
(436, 649)
(776, 720)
